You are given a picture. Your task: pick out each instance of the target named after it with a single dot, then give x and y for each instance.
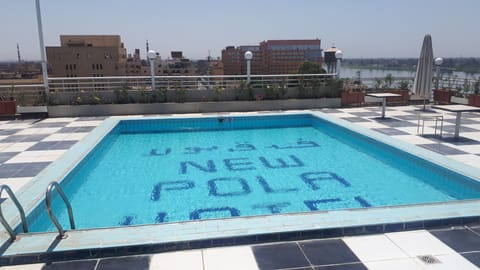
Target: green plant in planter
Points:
(403, 84)
(270, 92)
(95, 98)
(217, 92)
(145, 95)
(335, 86)
(181, 94)
(12, 93)
(389, 80)
(78, 98)
(476, 87)
(121, 96)
(378, 83)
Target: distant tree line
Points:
(468, 65)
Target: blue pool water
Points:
(167, 170)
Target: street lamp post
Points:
(42, 48)
(438, 63)
(152, 55)
(338, 57)
(248, 57)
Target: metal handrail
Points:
(48, 202)
(5, 224)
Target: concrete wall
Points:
(190, 107)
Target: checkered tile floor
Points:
(28, 146)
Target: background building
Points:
(272, 56)
(87, 56)
(233, 59)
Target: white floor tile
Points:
(25, 157)
(231, 258)
(182, 260)
(93, 123)
(449, 262)
(38, 266)
(56, 137)
(14, 183)
(34, 131)
(76, 136)
(374, 248)
(371, 125)
(472, 149)
(472, 160)
(417, 243)
(413, 139)
(59, 120)
(399, 264)
(18, 147)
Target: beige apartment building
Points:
(87, 56)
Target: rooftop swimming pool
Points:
(165, 170)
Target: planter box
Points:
(190, 107)
(403, 99)
(459, 100)
(352, 98)
(8, 107)
(442, 96)
(474, 100)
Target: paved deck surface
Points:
(28, 146)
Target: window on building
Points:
(66, 67)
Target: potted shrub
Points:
(474, 99)
(8, 104)
(442, 96)
(402, 90)
(353, 94)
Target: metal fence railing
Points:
(181, 82)
(34, 94)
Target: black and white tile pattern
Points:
(27, 147)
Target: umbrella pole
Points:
(424, 104)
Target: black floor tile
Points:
(72, 265)
(390, 131)
(32, 169)
(325, 252)
(75, 129)
(9, 131)
(24, 138)
(461, 240)
(355, 266)
(278, 256)
(125, 263)
(473, 257)
(7, 155)
(394, 123)
(52, 145)
(442, 149)
(9, 170)
(50, 125)
(364, 114)
(355, 119)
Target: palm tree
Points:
(389, 80)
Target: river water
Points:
(347, 72)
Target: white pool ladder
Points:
(48, 202)
(4, 222)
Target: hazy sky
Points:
(361, 28)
